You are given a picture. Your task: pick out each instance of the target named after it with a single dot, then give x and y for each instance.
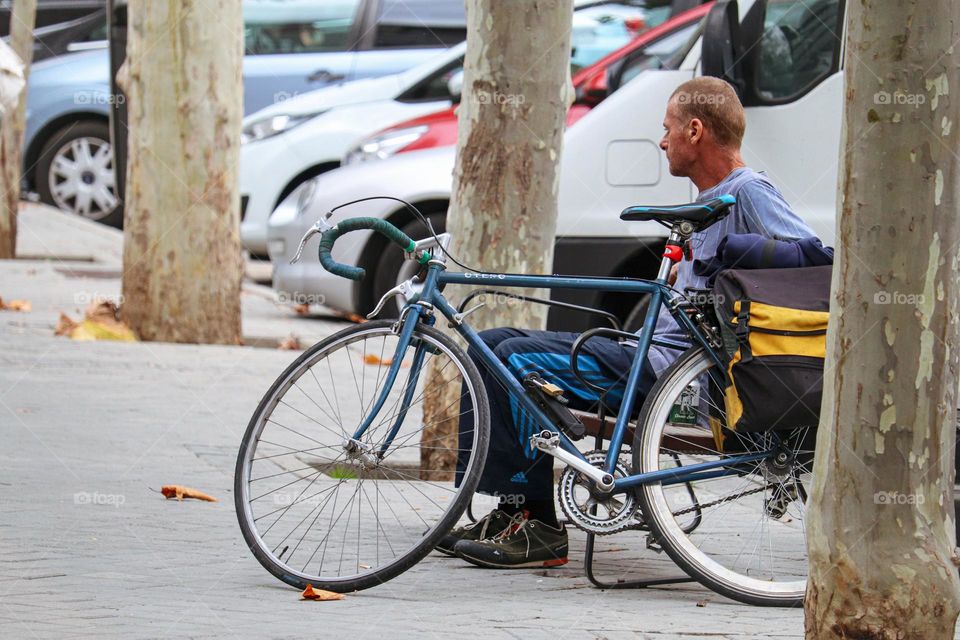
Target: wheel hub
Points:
(591, 510)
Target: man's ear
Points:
(695, 130)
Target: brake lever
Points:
(319, 226)
(405, 288)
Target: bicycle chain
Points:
(720, 501)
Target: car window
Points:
(436, 86)
(659, 54)
(602, 27)
(798, 47)
(420, 23)
(298, 26)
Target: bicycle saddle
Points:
(701, 214)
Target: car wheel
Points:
(392, 269)
(75, 173)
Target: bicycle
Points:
(365, 489)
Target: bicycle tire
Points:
(662, 518)
(423, 545)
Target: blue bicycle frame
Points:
(660, 293)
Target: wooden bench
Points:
(679, 438)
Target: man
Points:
(703, 131)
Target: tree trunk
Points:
(22, 19)
(182, 261)
(516, 92)
(880, 533)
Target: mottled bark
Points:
(22, 19)
(511, 118)
(881, 530)
(182, 260)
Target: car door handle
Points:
(325, 75)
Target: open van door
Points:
(786, 67)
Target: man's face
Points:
(676, 142)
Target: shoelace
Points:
(517, 524)
(484, 523)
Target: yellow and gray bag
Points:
(774, 326)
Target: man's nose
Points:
(663, 144)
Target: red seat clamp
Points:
(674, 252)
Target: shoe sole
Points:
(536, 564)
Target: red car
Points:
(592, 85)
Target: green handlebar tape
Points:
(329, 238)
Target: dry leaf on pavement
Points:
(100, 322)
(180, 492)
(290, 343)
(15, 305)
(319, 594)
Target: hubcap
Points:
(81, 178)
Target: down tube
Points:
(493, 363)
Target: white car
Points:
(297, 139)
(611, 160)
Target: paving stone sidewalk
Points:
(89, 549)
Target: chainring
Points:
(613, 514)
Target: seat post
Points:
(672, 252)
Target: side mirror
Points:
(721, 50)
(455, 85)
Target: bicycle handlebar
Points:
(330, 236)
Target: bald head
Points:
(713, 102)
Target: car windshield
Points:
(298, 26)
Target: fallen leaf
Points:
(701, 603)
(301, 309)
(180, 492)
(15, 305)
(290, 343)
(319, 594)
(371, 358)
(100, 322)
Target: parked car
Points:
(611, 160)
(596, 183)
(79, 34)
(291, 48)
(592, 84)
(318, 128)
(52, 12)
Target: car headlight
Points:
(273, 125)
(381, 147)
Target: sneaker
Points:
(525, 543)
(486, 527)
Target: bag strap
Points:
(742, 331)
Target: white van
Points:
(783, 55)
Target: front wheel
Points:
(318, 505)
(740, 534)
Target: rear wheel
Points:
(741, 535)
(317, 507)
